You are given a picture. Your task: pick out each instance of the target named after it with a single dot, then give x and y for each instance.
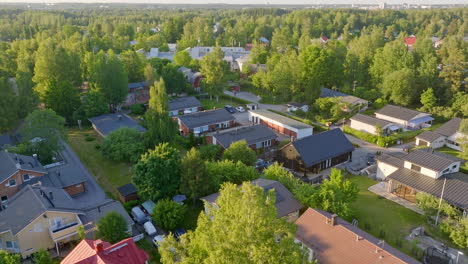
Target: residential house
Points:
(446, 135)
(192, 77)
(205, 121)
(39, 217)
(286, 205)
(138, 93)
(231, 54)
(372, 125)
(332, 240)
(6, 140)
(66, 177)
(424, 170)
(410, 41)
(16, 169)
(101, 252)
(407, 119)
(257, 137)
(353, 101)
(155, 53)
(184, 105)
(293, 107)
(315, 153)
(107, 123)
(127, 193)
(281, 124)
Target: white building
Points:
(407, 119)
(447, 135)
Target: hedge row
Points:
(381, 140)
(235, 99)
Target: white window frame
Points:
(29, 177)
(13, 243)
(9, 183)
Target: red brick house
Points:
(206, 121)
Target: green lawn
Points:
(456, 153)
(388, 220)
(212, 104)
(109, 174)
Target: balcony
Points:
(64, 229)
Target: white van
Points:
(150, 229)
(138, 215)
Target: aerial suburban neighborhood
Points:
(246, 132)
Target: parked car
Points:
(260, 164)
(240, 109)
(230, 109)
(150, 229)
(157, 240)
(138, 215)
(370, 159)
(148, 207)
(179, 232)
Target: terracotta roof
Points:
(343, 242)
(123, 252)
(410, 41)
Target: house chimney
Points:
(18, 166)
(333, 219)
(51, 195)
(36, 161)
(99, 246)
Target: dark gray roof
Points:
(285, 201)
(110, 122)
(92, 215)
(127, 189)
(319, 147)
(6, 139)
(370, 120)
(297, 104)
(206, 118)
(281, 119)
(456, 188)
(183, 103)
(325, 92)
(251, 134)
(430, 159)
(429, 136)
(137, 85)
(31, 202)
(398, 112)
(394, 159)
(10, 161)
(67, 176)
(449, 128)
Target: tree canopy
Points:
(112, 228)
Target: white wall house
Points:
(446, 135)
(281, 124)
(407, 118)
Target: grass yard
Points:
(456, 153)
(212, 104)
(388, 220)
(109, 174)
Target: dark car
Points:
(179, 232)
(230, 109)
(370, 159)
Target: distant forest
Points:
(50, 54)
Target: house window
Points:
(11, 245)
(454, 166)
(4, 199)
(452, 142)
(12, 183)
(266, 143)
(446, 170)
(26, 177)
(415, 168)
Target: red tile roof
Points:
(100, 252)
(410, 41)
(343, 242)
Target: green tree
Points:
(124, 144)
(94, 103)
(336, 194)
(112, 228)
(26, 95)
(195, 182)
(230, 171)
(134, 64)
(157, 174)
(399, 86)
(463, 140)
(240, 151)
(168, 214)
(43, 257)
(182, 59)
(6, 258)
(8, 111)
(245, 229)
(173, 79)
(213, 69)
(161, 128)
(61, 97)
(428, 99)
(210, 152)
(259, 54)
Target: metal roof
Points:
(322, 146)
(430, 159)
(183, 103)
(456, 188)
(450, 127)
(205, 118)
(285, 202)
(429, 136)
(280, 119)
(10, 161)
(127, 189)
(370, 120)
(398, 112)
(251, 134)
(108, 123)
(421, 120)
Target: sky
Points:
(252, 1)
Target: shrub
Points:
(130, 204)
(124, 144)
(137, 109)
(89, 138)
(168, 214)
(97, 146)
